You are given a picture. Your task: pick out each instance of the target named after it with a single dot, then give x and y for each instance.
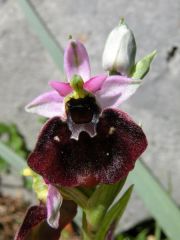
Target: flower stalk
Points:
(74, 194)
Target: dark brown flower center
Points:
(82, 110)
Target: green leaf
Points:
(100, 201)
(157, 200)
(141, 68)
(43, 32)
(3, 165)
(28, 181)
(12, 158)
(114, 214)
(157, 231)
(12, 138)
(84, 231)
(3, 128)
(120, 237)
(142, 235)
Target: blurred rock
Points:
(26, 68)
(12, 185)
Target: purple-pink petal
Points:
(61, 87)
(105, 158)
(115, 90)
(49, 104)
(76, 60)
(54, 202)
(94, 84)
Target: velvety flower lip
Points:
(36, 227)
(104, 158)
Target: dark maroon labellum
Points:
(82, 110)
(105, 158)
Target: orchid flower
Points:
(43, 221)
(88, 140)
(82, 95)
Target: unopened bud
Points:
(120, 50)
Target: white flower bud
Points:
(120, 50)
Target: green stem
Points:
(86, 237)
(86, 234)
(100, 201)
(74, 194)
(157, 232)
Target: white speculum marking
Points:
(111, 130)
(57, 139)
